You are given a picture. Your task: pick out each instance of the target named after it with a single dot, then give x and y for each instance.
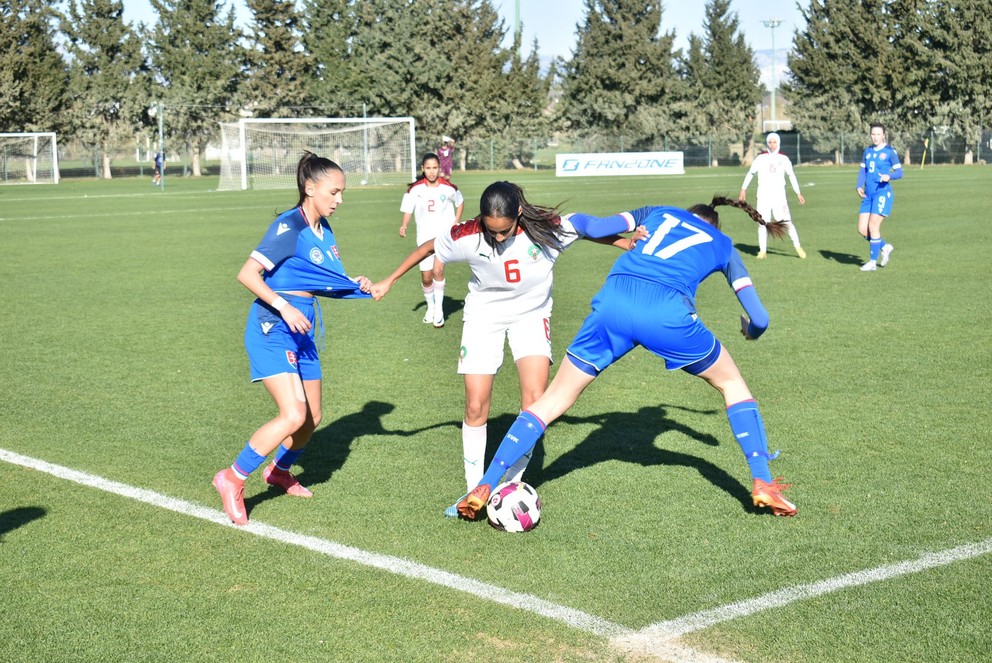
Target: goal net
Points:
(29, 158)
(263, 153)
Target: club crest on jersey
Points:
(316, 256)
(291, 358)
(534, 251)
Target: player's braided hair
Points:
(506, 200)
(312, 168)
(708, 213)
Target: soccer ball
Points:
(514, 507)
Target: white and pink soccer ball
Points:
(514, 507)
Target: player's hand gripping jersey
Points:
(297, 258)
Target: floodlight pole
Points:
(773, 23)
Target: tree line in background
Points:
(87, 74)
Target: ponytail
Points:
(708, 213)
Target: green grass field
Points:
(122, 359)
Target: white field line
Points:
(397, 565)
(659, 639)
(647, 638)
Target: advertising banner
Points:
(619, 163)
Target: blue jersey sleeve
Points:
(863, 172)
(279, 241)
(601, 226)
(895, 172)
(740, 281)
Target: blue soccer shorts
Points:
(274, 349)
(878, 203)
(628, 312)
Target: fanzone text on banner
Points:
(619, 163)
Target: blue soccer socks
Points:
(286, 457)
(520, 439)
(875, 247)
(247, 462)
(749, 429)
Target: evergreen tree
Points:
(622, 78)
(525, 116)
(34, 79)
(381, 59)
(439, 61)
(476, 105)
(108, 75)
(824, 84)
(723, 79)
(198, 64)
(279, 82)
(959, 33)
(329, 26)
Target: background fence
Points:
(500, 153)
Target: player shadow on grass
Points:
(630, 437)
(451, 306)
(14, 518)
(842, 258)
(330, 445)
(750, 250)
(746, 249)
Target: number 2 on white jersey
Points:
(671, 222)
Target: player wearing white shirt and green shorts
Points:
(511, 249)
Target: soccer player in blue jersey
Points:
(879, 166)
(297, 258)
(649, 299)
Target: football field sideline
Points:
(659, 639)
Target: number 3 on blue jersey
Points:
(670, 223)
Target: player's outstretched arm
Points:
(380, 288)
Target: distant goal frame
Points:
(244, 123)
(54, 155)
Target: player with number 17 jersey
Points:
(662, 274)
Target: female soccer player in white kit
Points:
(511, 249)
(436, 204)
(772, 167)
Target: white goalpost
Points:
(29, 158)
(262, 153)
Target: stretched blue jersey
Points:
(680, 251)
(875, 162)
(297, 258)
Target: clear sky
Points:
(554, 22)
